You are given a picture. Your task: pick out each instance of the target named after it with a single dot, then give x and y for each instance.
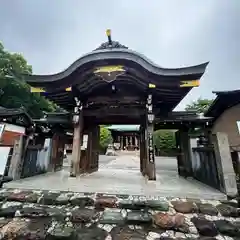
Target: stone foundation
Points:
(68, 215)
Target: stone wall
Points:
(68, 215)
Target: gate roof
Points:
(112, 79)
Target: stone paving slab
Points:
(33, 214)
(121, 175)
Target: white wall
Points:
(4, 151)
(44, 155)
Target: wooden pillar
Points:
(95, 148)
(57, 151)
(136, 141)
(151, 170)
(53, 153)
(90, 151)
(121, 143)
(145, 155)
(88, 160)
(57, 154)
(83, 162)
(130, 141)
(179, 155)
(76, 149)
(90, 155)
(151, 154)
(15, 168)
(142, 152)
(144, 159)
(77, 140)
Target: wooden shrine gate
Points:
(95, 90)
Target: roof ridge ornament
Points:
(108, 33)
(110, 44)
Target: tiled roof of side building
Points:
(223, 101)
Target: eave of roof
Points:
(10, 112)
(223, 101)
(119, 54)
(80, 77)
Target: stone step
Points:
(34, 214)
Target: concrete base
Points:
(121, 175)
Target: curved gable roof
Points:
(120, 54)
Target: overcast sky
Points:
(51, 34)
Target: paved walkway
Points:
(121, 175)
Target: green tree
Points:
(15, 92)
(105, 138)
(200, 105)
(164, 141)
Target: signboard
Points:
(150, 148)
(85, 142)
(37, 90)
(109, 73)
(192, 83)
(42, 90)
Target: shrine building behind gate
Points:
(125, 137)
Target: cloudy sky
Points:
(51, 34)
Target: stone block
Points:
(9, 209)
(184, 207)
(14, 229)
(4, 195)
(105, 202)
(81, 201)
(19, 197)
(90, 233)
(137, 217)
(132, 204)
(118, 233)
(158, 205)
(227, 228)
(207, 208)
(227, 210)
(32, 212)
(63, 198)
(205, 227)
(83, 215)
(61, 230)
(36, 229)
(171, 222)
(112, 217)
(49, 198)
